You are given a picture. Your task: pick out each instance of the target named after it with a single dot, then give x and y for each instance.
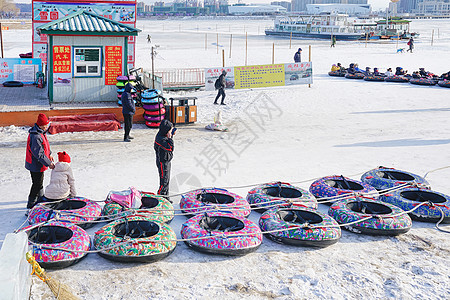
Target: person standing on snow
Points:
(38, 158)
(128, 110)
(333, 41)
(298, 55)
(220, 86)
(411, 45)
(164, 153)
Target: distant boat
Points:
(315, 26)
(391, 29)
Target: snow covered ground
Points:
(337, 126)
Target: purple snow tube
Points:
(154, 118)
(153, 107)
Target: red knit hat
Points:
(63, 157)
(42, 120)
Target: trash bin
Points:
(182, 110)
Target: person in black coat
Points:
(298, 55)
(164, 153)
(220, 86)
(128, 110)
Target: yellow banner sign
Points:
(258, 76)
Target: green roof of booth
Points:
(87, 23)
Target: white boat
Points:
(318, 26)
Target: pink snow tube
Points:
(155, 112)
(215, 199)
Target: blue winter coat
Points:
(128, 106)
(297, 57)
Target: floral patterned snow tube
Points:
(77, 210)
(277, 193)
(396, 78)
(154, 207)
(384, 178)
(354, 76)
(336, 185)
(202, 200)
(382, 222)
(337, 73)
(150, 240)
(444, 83)
(57, 234)
(409, 198)
(423, 81)
(221, 233)
(373, 78)
(285, 217)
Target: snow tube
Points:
(151, 93)
(384, 178)
(408, 198)
(354, 76)
(152, 124)
(222, 233)
(199, 201)
(154, 118)
(337, 73)
(12, 84)
(268, 195)
(383, 222)
(153, 113)
(122, 84)
(26, 55)
(75, 210)
(150, 101)
(422, 81)
(141, 232)
(57, 234)
(132, 96)
(396, 78)
(335, 185)
(125, 77)
(281, 218)
(153, 107)
(444, 83)
(373, 78)
(154, 207)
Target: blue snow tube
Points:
(383, 178)
(444, 83)
(12, 84)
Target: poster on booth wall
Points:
(19, 69)
(51, 11)
(62, 79)
(212, 74)
(40, 51)
(62, 59)
(298, 73)
(113, 64)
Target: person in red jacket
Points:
(38, 158)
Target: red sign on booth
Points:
(62, 59)
(113, 64)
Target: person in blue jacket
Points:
(298, 55)
(128, 110)
(164, 153)
(38, 158)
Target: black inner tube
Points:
(50, 235)
(299, 216)
(282, 192)
(215, 198)
(344, 184)
(366, 207)
(423, 196)
(136, 229)
(395, 175)
(219, 223)
(66, 205)
(149, 202)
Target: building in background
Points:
(285, 4)
(256, 9)
(349, 9)
(301, 5)
(433, 7)
(406, 6)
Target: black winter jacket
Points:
(164, 145)
(128, 106)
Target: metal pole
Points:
(206, 39)
(217, 44)
(309, 85)
(231, 42)
(153, 68)
(367, 35)
(290, 41)
(432, 37)
(1, 38)
(246, 48)
(273, 53)
(223, 58)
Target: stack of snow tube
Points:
(422, 81)
(221, 233)
(396, 78)
(444, 83)
(373, 78)
(121, 83)
(337, 73)
(354, 76)
(153, 104)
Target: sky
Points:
(376, 4)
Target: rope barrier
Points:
(442, 168)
